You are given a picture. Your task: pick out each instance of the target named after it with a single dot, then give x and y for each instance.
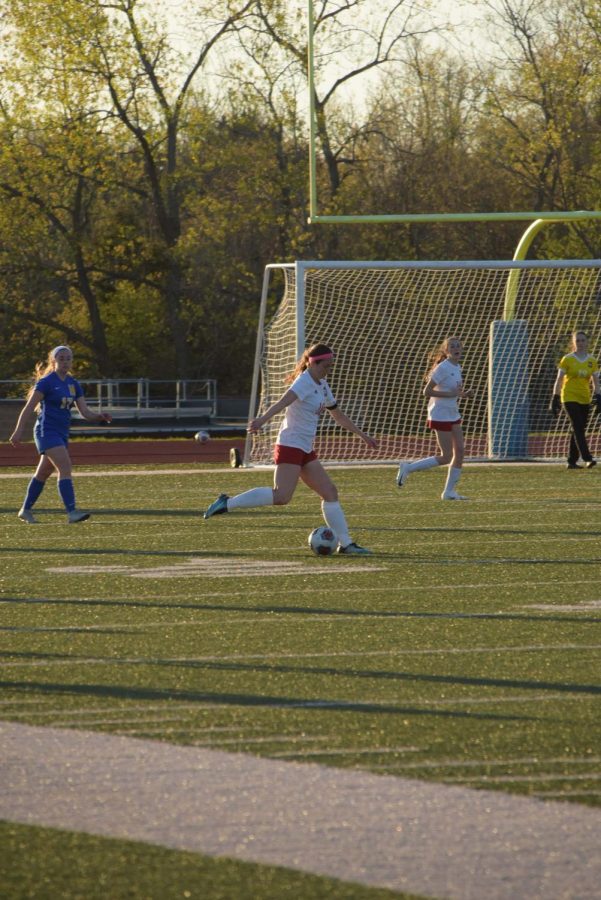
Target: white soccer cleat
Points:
(402, 474)
(27, 516)
(452, 495)
(77, 515)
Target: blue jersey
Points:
(55, 406)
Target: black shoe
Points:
(573, 466)
(591, 463)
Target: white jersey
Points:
(300, 422)
(448, 377)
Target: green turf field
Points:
(465, 650)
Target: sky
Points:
(467, 35)
(465, 16)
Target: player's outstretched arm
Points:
(17, 435)
(343, 420)
(555, 404)
(285, 400)
(89, 415)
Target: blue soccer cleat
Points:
(217, 507)
(27, 516)
(77, 515)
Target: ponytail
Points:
(304, 361)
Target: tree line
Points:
(144, 186)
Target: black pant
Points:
(577, 413)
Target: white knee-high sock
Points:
(336, 520)
(428, 463)
(453, 476)
(254, 497)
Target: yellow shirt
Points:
(576, 384)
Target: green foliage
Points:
(135, 185)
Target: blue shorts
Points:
(49, 439)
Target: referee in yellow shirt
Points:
(572, 388)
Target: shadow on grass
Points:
(336, 672)
(477, 530)
(249, 700)
(301, 610)
(159, 511)
(251, 555)
(114, 551)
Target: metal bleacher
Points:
(143, 406)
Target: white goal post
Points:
(383, 319)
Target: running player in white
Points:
(306, 399)
(444, 387)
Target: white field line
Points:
(429, 588)
(67, 720)
(116, 472)
(214, 567)
(582, 606)
(250, 657)
(207, 567)
(564, 697)
(509, 762)
(219, 741)
(172, 705)
(526, 779)
(556, 795)
(18, 702)
(346, 751)
(225, 729)
(141, 471)
(405, 835)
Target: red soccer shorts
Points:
(433, 425)
(292, 455)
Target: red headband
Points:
(321, 356)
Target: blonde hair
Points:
(304, 363)
(438, 355)
(45, 368)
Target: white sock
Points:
(254, 497)
(335, 519)
(453, 476)
(428, 463)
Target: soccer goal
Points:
(383, 319)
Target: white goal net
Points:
(383, 320)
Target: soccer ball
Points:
(323, 541)
(201, 436)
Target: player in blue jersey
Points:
(55, 392)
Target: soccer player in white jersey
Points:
(444, 388)
(308, 396)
